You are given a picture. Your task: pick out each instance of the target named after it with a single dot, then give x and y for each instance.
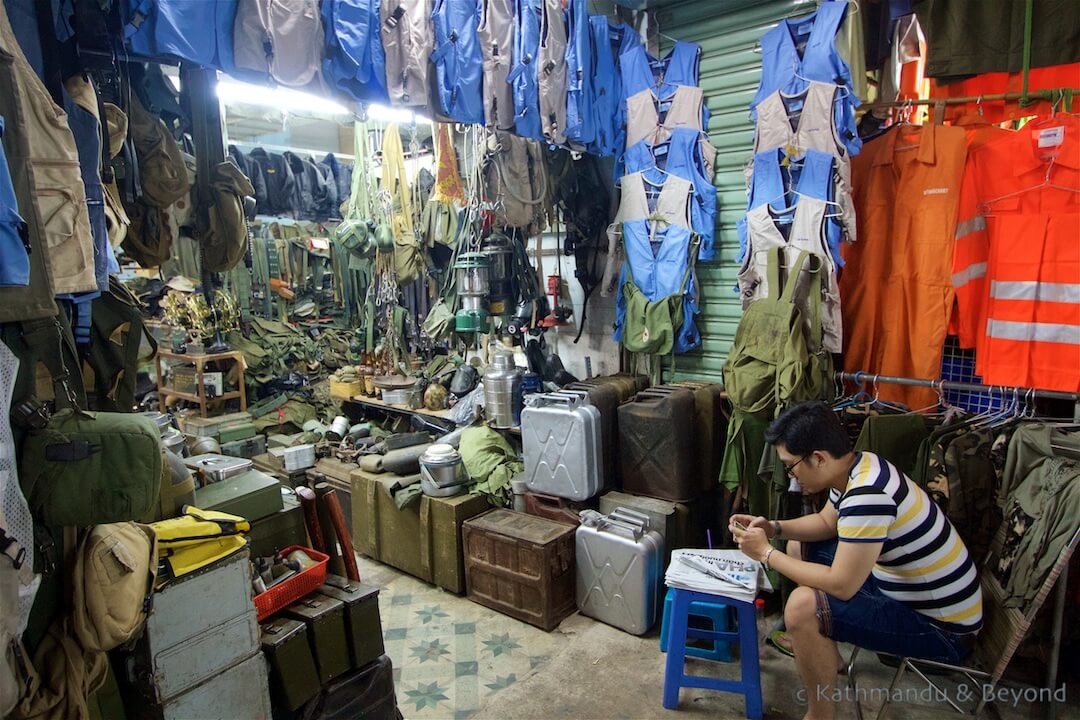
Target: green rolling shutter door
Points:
(728, 32)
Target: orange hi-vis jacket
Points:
(896, 285)
(971, 246)
(1025, 190)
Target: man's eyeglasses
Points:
(789, 468)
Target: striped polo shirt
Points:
(923, 561)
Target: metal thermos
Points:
(502, 391)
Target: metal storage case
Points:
(363, 625)
(215, 467)
(247, 448)
(239, 693)
(657, 443)
(423, 540)
(325, 620)
(619, 569)
(607, 393)
(188, 641)
(682, 525)
(294, 680)
(560, 440)
(521, 565)
(252, 495)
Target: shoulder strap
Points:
(772, 272)
(793, 278)
(813, 300)
(45, 337)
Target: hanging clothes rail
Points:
(862, 376)
(1051, 95)
(1061, 587)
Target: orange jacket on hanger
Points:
(897, 281)
(1031, 335)
(971, 247)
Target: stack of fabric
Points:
(668, 208)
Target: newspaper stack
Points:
(728, 573)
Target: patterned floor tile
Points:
(450, 654)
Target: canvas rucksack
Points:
(113, 358)
(772, 362)
(282, 39)
(163, 173)
(86, 468)
(149, 237)
(652, 326)
(113, 584)
(226, 238)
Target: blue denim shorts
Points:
(874, 621)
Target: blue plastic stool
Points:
(675, 676)
(718, 614)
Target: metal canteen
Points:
(355, 235)
(384, 237)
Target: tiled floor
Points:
(451, 655)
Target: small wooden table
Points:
(200, 361)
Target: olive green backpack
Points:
(771, 363)
(651, 326)
(87, 468)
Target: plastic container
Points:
(296, 587)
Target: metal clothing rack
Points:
(1061, 590)
(1021, 392)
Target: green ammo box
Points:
(325, 620)
(362, 622)
(237, 431)
(293, 677)
(278, 531)
(252, 495)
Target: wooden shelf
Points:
(381, 405)
(200, 361)
(191, 397)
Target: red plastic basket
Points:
(296, 587)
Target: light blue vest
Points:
(458, 61)
(355, 62)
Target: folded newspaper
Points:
(728, 573)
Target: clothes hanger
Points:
(858, 397)
(987, 210)
(879, 403)
(935, 385)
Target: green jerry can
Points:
(325, 620)
(362, 622)
(293, 677)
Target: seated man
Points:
(884, 568)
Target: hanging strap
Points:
(360, 197)
(45, 339)
(394, 179)
(793, 276)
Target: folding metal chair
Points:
(1004, 629)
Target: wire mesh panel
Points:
(958, 365)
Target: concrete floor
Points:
(585, 669)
